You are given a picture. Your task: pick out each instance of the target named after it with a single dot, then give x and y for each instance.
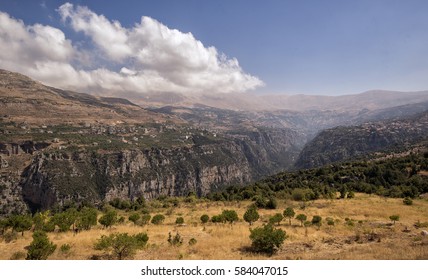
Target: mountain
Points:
(25, 100)
(348, 142)
(59, 147)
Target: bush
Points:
(230, 216)
(20, 223)
(134, 218)
(394, 218)
(251, 215)
(87, 218)
(317, 220)
(65, 248)
(158, 219)
(205, 218)
(192, 241)
(177, 240)
(179, 221)
(330, 221)
(109, 218)
(267, 239)
(121, 245)
(18, 255)
(40, 248)
(407, 201)
(145, 219)
(218, 219)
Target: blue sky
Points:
(310, 47)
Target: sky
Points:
(190, 47)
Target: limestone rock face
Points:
(57, 178)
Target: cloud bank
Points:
(145, 59)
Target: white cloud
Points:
(151, 57)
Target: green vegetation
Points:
(302, 218)
(121, 245)
(134, 217)
(276, 219)
(205, 218)
(394, 218)
(289, 213)
(251, 215)
(40, 248)
(392, 177)
(109, 218)
(176, 240)
(158, 219)
(267, 239)
(317, 220)
(179, 221)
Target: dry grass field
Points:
(368, 234)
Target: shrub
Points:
(87, 218)
(20, 223)
(19, 255)
(267, 239)
(317, 220)
(251, 215)
(218, 219)
(330, 221)
(192, 241)
(134, 217)
(65, 248)
(277, 218)
(145, 219)
(121, 245)
(394, 218)
(158, 219)
(109, 218)
(205, 218)
(177, 240)
(179, 221)
(407, 201)
(40, 248)
(230, 216)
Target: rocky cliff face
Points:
(51, 176)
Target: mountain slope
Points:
(345, 143)
(25, 100)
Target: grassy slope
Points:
(225, 242)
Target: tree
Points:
(277, 218)
(205, 218)
(21, 223)
(267, 239)
(316, 220)
(87, 218)
(121, 245)
(158, 219)
(109, 218)
(179, 221)
(4, 225)
(40, 248)
(66, 219)
(230, 216)
(394, 218)
(251, 215)
(134, 218)
(289, 213)
(302, 218)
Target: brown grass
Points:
(371, 237)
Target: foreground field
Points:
(362, 230)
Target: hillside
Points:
(347, 142)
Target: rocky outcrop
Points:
(58, 178)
